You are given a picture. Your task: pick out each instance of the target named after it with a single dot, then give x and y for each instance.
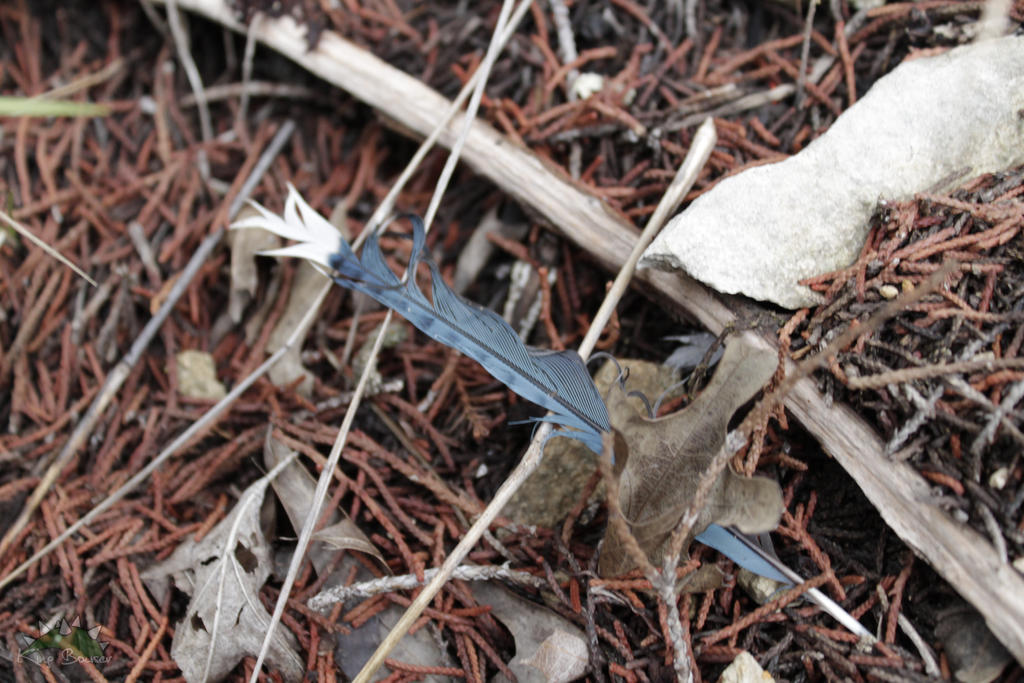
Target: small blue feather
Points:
(555, 380)
(743, 552)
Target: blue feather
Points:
(555, 380)
(743, 552)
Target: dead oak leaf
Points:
(665, 458)
(223, 574)
(245, 245)
(296, 490)
(549, 648)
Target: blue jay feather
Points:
(555, 380)
(742, 550)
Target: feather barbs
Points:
(556, 380)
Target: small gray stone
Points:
(974, 653)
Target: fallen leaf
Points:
(345, 535)
(353, 649)
(305, 288)
(555, 487)
(225, 620)
(562, 656)
(295, 488)
(549, 648)
(245, 245)
(666, 457)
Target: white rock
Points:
(745, 669)
(759, 232)
(888, 291)
(998, 478)
(760, 588)
(197, 376)
(586, 84)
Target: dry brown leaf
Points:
(295, 488)
(549, 648)
(305, 289)
(245, 244)
(562, 656)
(666, 457)
(223, 573)
(345, 535)
(745, 669)
(555, 487)
(975, 655)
